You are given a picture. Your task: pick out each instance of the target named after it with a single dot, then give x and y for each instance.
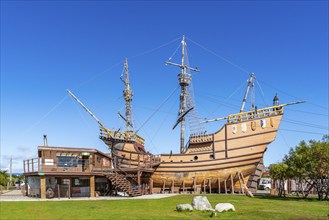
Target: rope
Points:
(219, 56)
(147, 120)
(262, 92)
(174, 52)
(161, 124)
(230, 96)
(306, 132)
(46, 115)
(317, 105)
(154, 49)
(305, 124)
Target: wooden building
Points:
(67, 172)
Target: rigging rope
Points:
(154, 49)
(219, 56)
(262, 92)
(147, 120)
(46, 115)
(230, 96)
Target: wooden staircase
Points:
(253, 179)
(121, 182)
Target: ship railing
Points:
(256, 114)
(124, 136)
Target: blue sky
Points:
(50, 46)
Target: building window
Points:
(67, 161)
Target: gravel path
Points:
(16, 195)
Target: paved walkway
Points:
(16, 195)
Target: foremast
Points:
(184, 80)
(128, 96)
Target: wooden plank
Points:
(218, 179)
(173, 186)
(209, 183)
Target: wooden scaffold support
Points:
(232, 184)
(248, 192)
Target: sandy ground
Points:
(16, 195)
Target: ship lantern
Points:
(275, 100)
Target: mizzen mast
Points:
(184, 80)
(250, 84)
(128, 96)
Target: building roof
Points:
(73, 149)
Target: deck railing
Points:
(259, 113)
(52, 165)
(124, 136)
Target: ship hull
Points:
(231, 153)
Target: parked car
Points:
(19, 184)
(264, 184)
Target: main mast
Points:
(184, 80)
(128, 96)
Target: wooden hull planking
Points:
(235, 148)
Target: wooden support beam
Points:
(249, 193)
(139, 179)
(240, 181)
(58, 191)
(42, 187)
(39, 164)
(32, 165)
(24, 166)
(164, 185)
(204, 186)
(225, 186)
(69, 192)
(151, 185)
(194, 184)
(173, 186)
(218, 185)
(183, 186)
(232, 185)
(92, 186)
(209, 183)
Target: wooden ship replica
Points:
(226, 160)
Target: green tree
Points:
(308, 165)
(279, 173)
(4, 177)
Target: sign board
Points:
(49, 162)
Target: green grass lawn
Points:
(246, 208)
